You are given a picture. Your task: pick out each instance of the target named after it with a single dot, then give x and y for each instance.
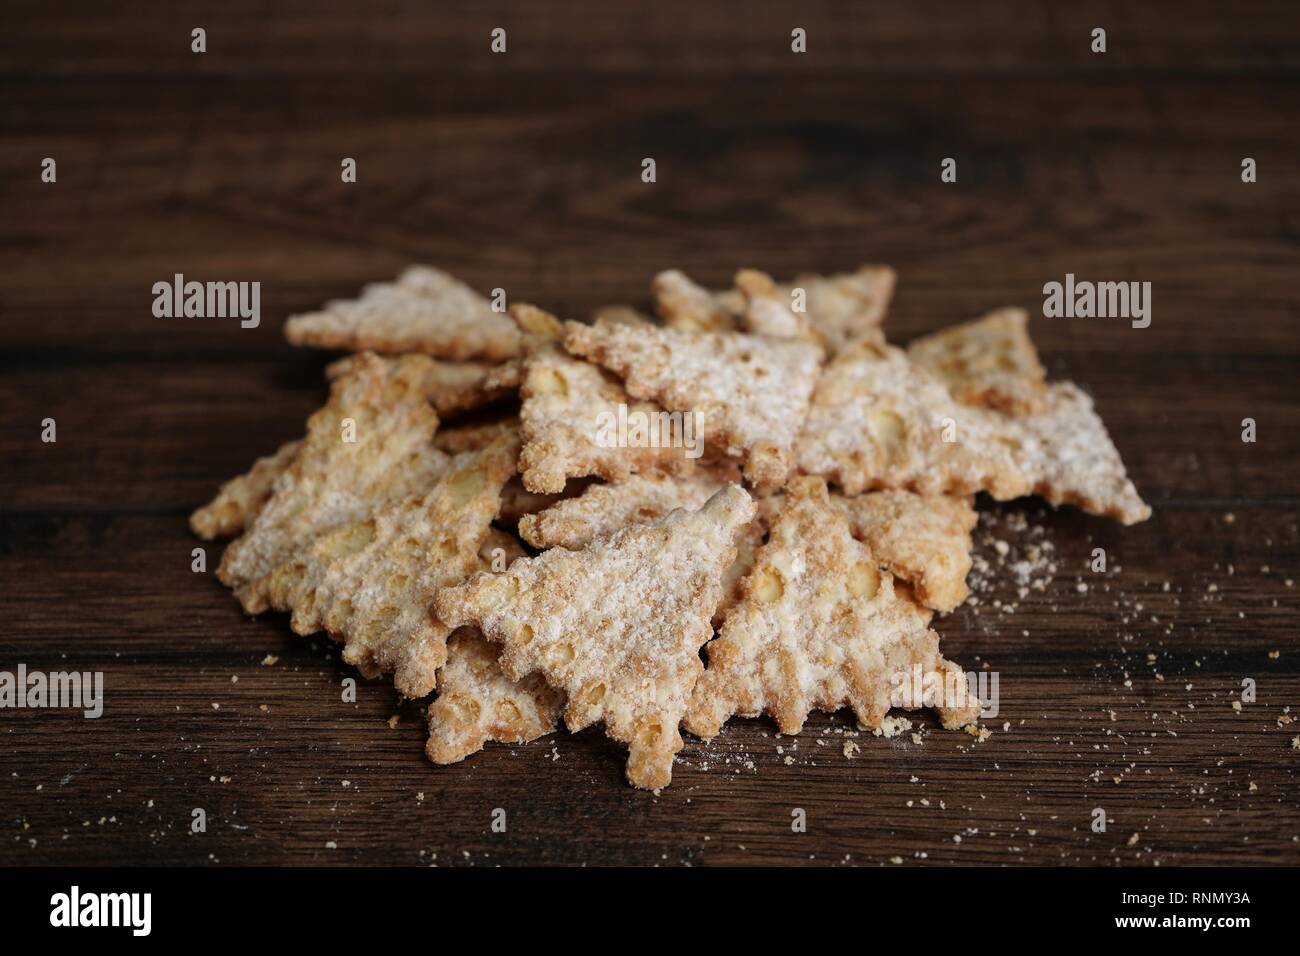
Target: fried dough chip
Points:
(692, 308)
(517, 502)
(877, 421)
(625, 314)
(451, 387)
(818, 627)
(752, 391)
(616, 626)
(604, 508)
(371, 583)
(922, 539)
(639, 500)
(499, 550)
(425, 310)
(768, 312)
(1070, 458)
(748, 541)
(477, 702)
(839, 308)
(990, 361)
(333, 481)
(568, 405)
(241, 499)
(848, 305)
(471, 436)
(506, 377)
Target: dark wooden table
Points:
(523, 171)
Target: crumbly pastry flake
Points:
(371, 583)
(517, 502)
(478, 703)
(424, 310)
(819, 626)
(1070, 459)
(605, 508)
(748, 541)
(877, 421)
(567, 406)
(451, 387)
(990, 361)
(750, 392)
(848, 305)
(642, 499)
(768, 312)
(684, 305)
(625, 314)
(471, 436)
(924, 540)
(369, 444)
(499, 550)
(838, 308)
(239, 501)
(617, 626)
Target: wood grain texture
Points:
(522, 171)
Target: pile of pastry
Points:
(529, 518)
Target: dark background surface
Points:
(522, 171)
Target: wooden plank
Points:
(298, 37)
(550, 206)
